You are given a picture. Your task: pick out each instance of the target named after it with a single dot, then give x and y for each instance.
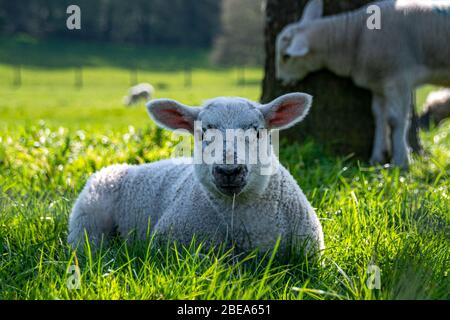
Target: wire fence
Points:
(80, 78)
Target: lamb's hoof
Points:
(380, 159)
(402, 165)
(377, 161)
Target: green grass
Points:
(53, 136)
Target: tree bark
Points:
(341, 117)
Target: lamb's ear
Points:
(172, 115)
(287, 110)
(313, 10)
(299, 47)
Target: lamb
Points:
(140, 91)
(411, 48)
(436, 109)
(248, 204)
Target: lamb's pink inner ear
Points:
(174, 119)
(284, 114)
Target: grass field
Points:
(53, 135)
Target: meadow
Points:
(55, 133)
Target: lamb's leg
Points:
(381, 146)
(88, 221)
(398, 104)
(95, 209)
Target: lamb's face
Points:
(229, 132)
(294, 59)
(294, 56)
(233, 150)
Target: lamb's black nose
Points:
(229, 171)
(230, 179)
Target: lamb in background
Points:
(217, 203)
(411, 48)
(436, 109)
(141, 91)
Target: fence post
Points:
(241, 76)
(187, 76)
(79, 77)
(17, 82)
(133, 77)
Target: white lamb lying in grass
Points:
(436, 109)
(142, 91)
(216, 203)
(411, 48)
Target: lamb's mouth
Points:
(231, 189)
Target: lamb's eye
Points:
(257, 132)
(208, 127)
(202, 134)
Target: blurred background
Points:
(62, 117)
(187, 49)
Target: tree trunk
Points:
(341, 117)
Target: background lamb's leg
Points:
(398, 104)
(381, 146)
(413, 132)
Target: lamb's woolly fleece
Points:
(178, 200)
(437, 108)
(168, 199)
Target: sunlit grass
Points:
(52, 95)
(53, 136)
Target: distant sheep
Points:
(436, 109)
(142, 91)
(217, 203)
(411, 48)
